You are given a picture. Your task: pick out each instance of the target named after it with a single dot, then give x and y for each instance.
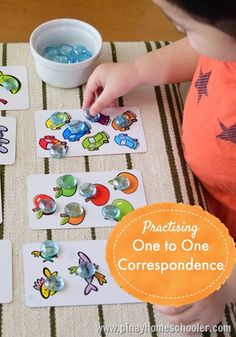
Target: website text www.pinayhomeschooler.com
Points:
(164, 328)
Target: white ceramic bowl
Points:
(64, 31)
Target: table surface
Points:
(166, 179)
(132, 20)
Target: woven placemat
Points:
(166, 178)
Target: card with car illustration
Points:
(83, 199)
(113, 131)
(14, 92)
(7, 140)
(74, 273)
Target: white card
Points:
(7, 140)
(96, 138)
(77, 290)
(5, 271)
(16, 97)
(0, 199)
(44, 184)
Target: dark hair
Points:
(218, 13)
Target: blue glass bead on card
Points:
(67, 181)
(49, 248)
(74, 209)
(76, 126)
(90, 117)
(54, 283)
(110, 212)
(58, 151)
(58, 117)
(87, 190)
(86, 270)
(10, 84)
(47, 206)
(121, 121)
(120, 183)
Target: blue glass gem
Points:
(67, 181)
(65, 49)
(47, 206)
(120, 183)
(87, 190)
(58, 150)
(65, 53)
(90, 117)
(111, 212)
(76, 126)
(121, 121)
(59, 117)
(74, 210)
(10, 83)
(49, 248)
(54, 283)
(86, 269)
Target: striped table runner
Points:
(166, 178)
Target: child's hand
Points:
(208, 311)
(108, 82)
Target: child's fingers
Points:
(101, 102)
(90, 90)
(173, 310)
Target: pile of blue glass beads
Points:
(65, 53)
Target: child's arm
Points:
(174, 63)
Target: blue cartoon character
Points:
(124, 140)
(124, 121)
(93, 143)
(57, 120)
(88, 271)
(76, 130)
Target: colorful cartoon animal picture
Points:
(39, 284)
(3, 141)
(10, 83)
(57, 120)
(90, 286)
(93, 143)
(46, 258)
(47, 141)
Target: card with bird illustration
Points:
(83, 199)
(14, 92)
(76, 275)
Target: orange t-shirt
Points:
(209, 135)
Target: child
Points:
(207, 57)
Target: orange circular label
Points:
(170, 254)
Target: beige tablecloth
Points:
(166, 178)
